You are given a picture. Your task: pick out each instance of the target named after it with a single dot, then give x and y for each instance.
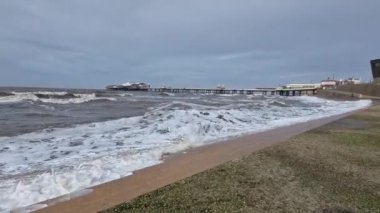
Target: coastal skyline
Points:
(242, 44)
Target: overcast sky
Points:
(185, 43)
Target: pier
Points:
(257, 91)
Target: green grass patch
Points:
(360, 139)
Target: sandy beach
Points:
(176, 167)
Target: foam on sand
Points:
(42, 165)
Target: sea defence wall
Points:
(364, 89)
(361, 91)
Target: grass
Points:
(334, 168)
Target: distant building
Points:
(353, 81)
(375, 65)
(130, 86)
(302, 86)
(349, 81)
(328, 84)
(220, 87)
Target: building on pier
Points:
(329, 84)
(303, 86)
(130, 87)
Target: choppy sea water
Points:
(56, 141)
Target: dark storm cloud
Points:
(242, 43)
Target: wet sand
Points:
(176, 167)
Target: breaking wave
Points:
(51, 97)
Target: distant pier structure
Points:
(375, 65)
(282, 91)
(288, 90)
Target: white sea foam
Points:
(53, 162)
(126, 95)
(32, 96)
(167, 94)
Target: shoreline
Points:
(195, 160)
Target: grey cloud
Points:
(243, 43)
(24, 42)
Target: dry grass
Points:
(335, 168)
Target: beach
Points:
(191, 194)
(57, 144)
(333, 168)
(77, 145)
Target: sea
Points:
(59, 141)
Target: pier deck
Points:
(258, 91)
